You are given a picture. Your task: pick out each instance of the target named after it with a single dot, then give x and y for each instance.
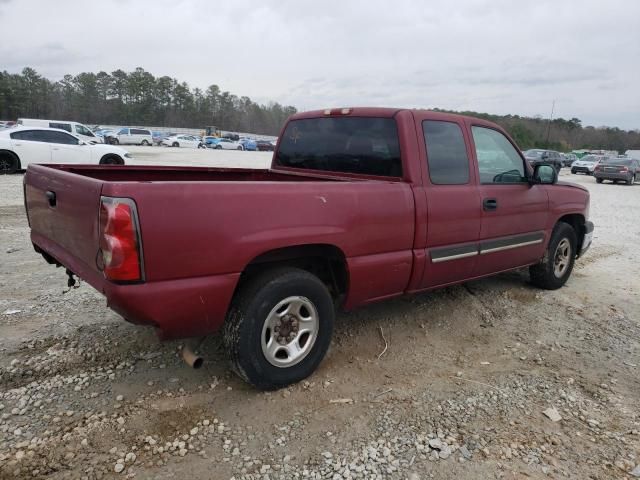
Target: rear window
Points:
(360, 145)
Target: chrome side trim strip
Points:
(509, 247)
(453, 257)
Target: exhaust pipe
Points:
(190, 358)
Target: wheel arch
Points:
(326, 261)
(107, 156)
(577, 222)
(13, 154)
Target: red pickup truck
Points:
(359, 205)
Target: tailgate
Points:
(63, 209)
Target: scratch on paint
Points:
(201, 300)
(320, 197)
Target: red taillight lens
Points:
(624, 169)
(120, 240)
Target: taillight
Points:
(120, 246)
(624, 169)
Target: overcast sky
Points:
(496, 56)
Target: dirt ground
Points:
(459, 393)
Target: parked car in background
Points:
(633, 154)
(225, 144)
(208, 140)
(587, 164)
(188, 141)
(618, 170)
(21, 146)
(568, 159)
(248, 144)
(78, 129)
(157, 137)
(231, 136)
(132, 136)
(537, 156)
(265, 146)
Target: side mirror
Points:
(545, 174)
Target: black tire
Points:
(543, 274)
(573, 171)
(144, 143)
(175, 144)
(598, 180)
(631, 180)
(243, 328)
(9, 163)
(218, 147)
(111, 159)
(239, 148)
(115, 141)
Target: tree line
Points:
(139, 98)
(134, 98)
(562, 135)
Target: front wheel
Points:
(9, 163)
(218, 147)
(279, 328)
(556, 265)
(631, 180)
(175, 144)
(598, 180)
(144, 143)
(573, 171)
(111, 160)
(239, 148)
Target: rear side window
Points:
(31, 135)
(446, 153)
(137, 131)
(61, 126)
(59, 137)
(361, 145)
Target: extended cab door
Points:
(514, 212)
(453, 202)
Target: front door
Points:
(514, 212)
(453, 205)
(66, 148)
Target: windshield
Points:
(589, 159)
(361, 145)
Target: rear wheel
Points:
(175, 144)
(115, 141)
(631, 180)
(111, 159)
(239, 148)
(598, 180)
(144, 143)
(279, 327)
(556, 266)
(218, 147)
(9, 163)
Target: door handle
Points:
(51, 197)
(489, 204)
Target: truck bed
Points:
(201, 227)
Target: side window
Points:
(82, 130)
(123, 131)
(30, 135)
(446, 153)
(498, 160)
(61, 126)
(60, 137)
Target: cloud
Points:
(485, 55)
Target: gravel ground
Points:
(460, 393)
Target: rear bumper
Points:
(588, 238)
(581, 170)
(181, 308)
(613, 175)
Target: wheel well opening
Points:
(577, 223)
(11, 155)
(326, 262)
(111, 158)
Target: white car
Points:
(587, 164)
(227, 144)
(189, 141)
(132, 136)
(20, 146)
